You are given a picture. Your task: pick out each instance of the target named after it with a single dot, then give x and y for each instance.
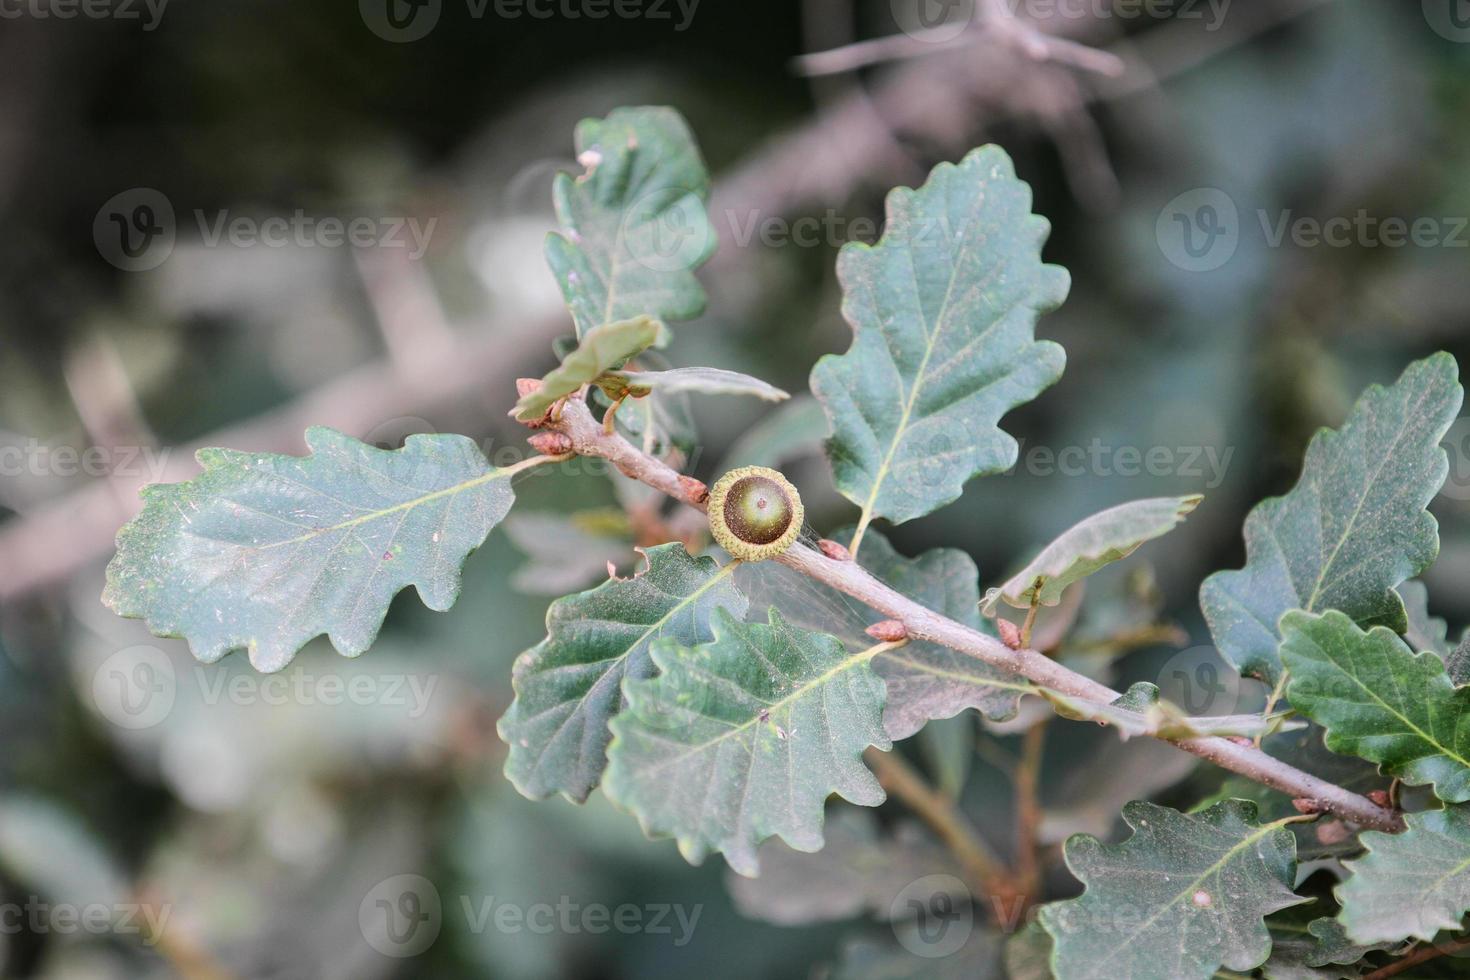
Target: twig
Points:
(982, 866)
(1028, 809)
(923, 623)
(1421, 955)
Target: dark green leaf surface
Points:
(745, 737)
(1352, 528)
(569, 685)
(1410, 884)
(943, 309)
(1379, 700)
(634, 226)
(266, 552)
(1186, 894)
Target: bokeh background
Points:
(1205, 322)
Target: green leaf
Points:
(746, 737)
(927, 681)
(604, 346)
(698, 380)
(1410, 884)
(1140, 711)
(568, 686)
(1182, 896)
(1088, 546)
(1379, 700)
(1352, 528)
(1028, 954)
(943, 310)
(266, 552)
(634, 226)
(1307, 944)
(859, 871)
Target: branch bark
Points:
(589, 439)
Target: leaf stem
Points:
(1271, 702)
(923, 623)
(531, 462)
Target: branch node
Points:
(833, 550)
(888, 631)
(551, 443)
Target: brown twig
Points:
(982, 866)
(1028, 810)
(1421, 955)
(849, 578)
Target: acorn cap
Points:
(755, 513)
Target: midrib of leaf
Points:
(1434, 741)
(930, 338)
(715, 579)
(1463, 865)
(773, 706)
(1200, 879)
(458, 488)
(1358, 510)
(967, 678)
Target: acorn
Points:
(755, 513)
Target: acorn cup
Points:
(755, 513)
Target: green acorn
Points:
(755, 513)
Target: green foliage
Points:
(1140, 711)
(1352, 528)
(265, 552)
(1380, 700)
(634, 226)
(943, 310)
(604, 346)
(1087, 546)
(1410, 884)
(570, 685)
(745, 737)
(1186, 894)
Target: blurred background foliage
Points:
(262, 826)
